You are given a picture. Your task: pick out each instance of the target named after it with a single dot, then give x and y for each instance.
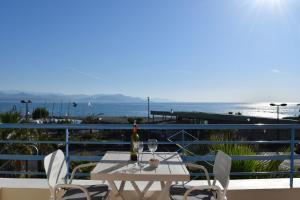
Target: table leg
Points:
(115, 191)
(122, 187)
(164, 190)
(136, 188)
(162, 184)
(147, 188)
(141, 194)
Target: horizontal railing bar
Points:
(99, 142)
(22, 173)
(250, 157)
(30, 142)
(260, 173)
(67, 126)
(41, 157)
(232, 173)
(192, 174)
(188, 142)
(249, 173)
(159, 143)
(21, 157)
(149, 126)
(85, 158)
(82, 174)
(185, 158)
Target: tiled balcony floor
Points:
(37, 189)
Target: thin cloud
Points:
(276, 71)
(83, 73)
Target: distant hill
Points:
(99, 98)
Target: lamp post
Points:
(299, 109)
(277, 110)
(297, 148)
(148, 101)
(26, 103)
(277, 107)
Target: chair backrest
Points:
(221, 169)
(56, 168)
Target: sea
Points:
(141, 109)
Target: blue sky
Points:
(196, 50)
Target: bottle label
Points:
(135, 146)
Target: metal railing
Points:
(292, 128)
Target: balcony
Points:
(247, 189)
(263, 185)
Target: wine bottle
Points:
(134, 142)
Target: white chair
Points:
(215, 191)
(56, 169)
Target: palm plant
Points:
(245, 150)
(239, 150)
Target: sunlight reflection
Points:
(258, 12)
(276, 6)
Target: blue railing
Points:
(292, 128)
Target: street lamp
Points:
(26, 103)
(299, 109)
(148, 100)
(277, 106)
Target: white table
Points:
(116, 166)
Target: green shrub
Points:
(91, 119)
(10, 117)
(235, 149)
(139, 120)
(245, 150)
(40, 113)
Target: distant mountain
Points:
(42, 97)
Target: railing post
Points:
(182, 140)
(67, 151)
(292, 157)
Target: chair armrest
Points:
(78, 167)
(67, 186)
(203, 187)
(200, 167)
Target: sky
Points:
(195, 50)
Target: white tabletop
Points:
(117, 166)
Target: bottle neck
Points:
(134, 127)
(134, 130)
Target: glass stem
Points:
(140, 160)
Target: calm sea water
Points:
(140, 109)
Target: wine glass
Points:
(152, 145)
(140, 150)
